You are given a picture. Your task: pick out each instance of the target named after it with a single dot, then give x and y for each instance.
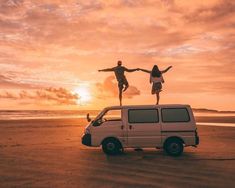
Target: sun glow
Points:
(84, 94)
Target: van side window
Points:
(112, 115)
(175, 115)
(143, 116)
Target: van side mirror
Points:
(97, 123)
(88, 117)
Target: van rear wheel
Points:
(111, 146)
(174, 147)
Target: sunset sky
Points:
(51, 50)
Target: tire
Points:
(112, 146)
(174, 147)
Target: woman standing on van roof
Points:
(156, 79)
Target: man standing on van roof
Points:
(119, 71)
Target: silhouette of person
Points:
(119, 71)
(156, 79)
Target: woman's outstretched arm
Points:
(144, 70)
(168, 68)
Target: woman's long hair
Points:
(156, 72)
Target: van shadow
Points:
(150, 154)
(139, 166)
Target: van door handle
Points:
(130, 126)
(122, 127)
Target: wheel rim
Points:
(174, 147)
(110, 146)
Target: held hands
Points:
(138, 69)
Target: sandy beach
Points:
(49, 153)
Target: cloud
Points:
(8, 95)
(56, 43)
(9, 82)
(109, 88)
(215, 12)
(58, 96)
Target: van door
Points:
(144, 128)
(110, 125)
(179, 121)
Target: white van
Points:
(170, 127)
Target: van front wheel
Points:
(111, 146)
(174, 147)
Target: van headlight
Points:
(86, 131)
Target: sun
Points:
(84, 94)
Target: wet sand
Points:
(49, 153)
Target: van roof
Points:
(149, 106)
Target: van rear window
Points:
(143, 116)
(175, 115)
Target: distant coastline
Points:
(205, 110)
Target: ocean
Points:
(215, 119)
(44, 114)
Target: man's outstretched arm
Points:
(168, 68)
(131, 70)
(106, 70)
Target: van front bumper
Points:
(86, 139)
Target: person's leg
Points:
(120, 87)
(158, 97)
(120, 96)
(126, 84)
(125, 88)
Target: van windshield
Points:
(112, 115)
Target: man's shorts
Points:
(122, 82)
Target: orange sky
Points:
(50, 51)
